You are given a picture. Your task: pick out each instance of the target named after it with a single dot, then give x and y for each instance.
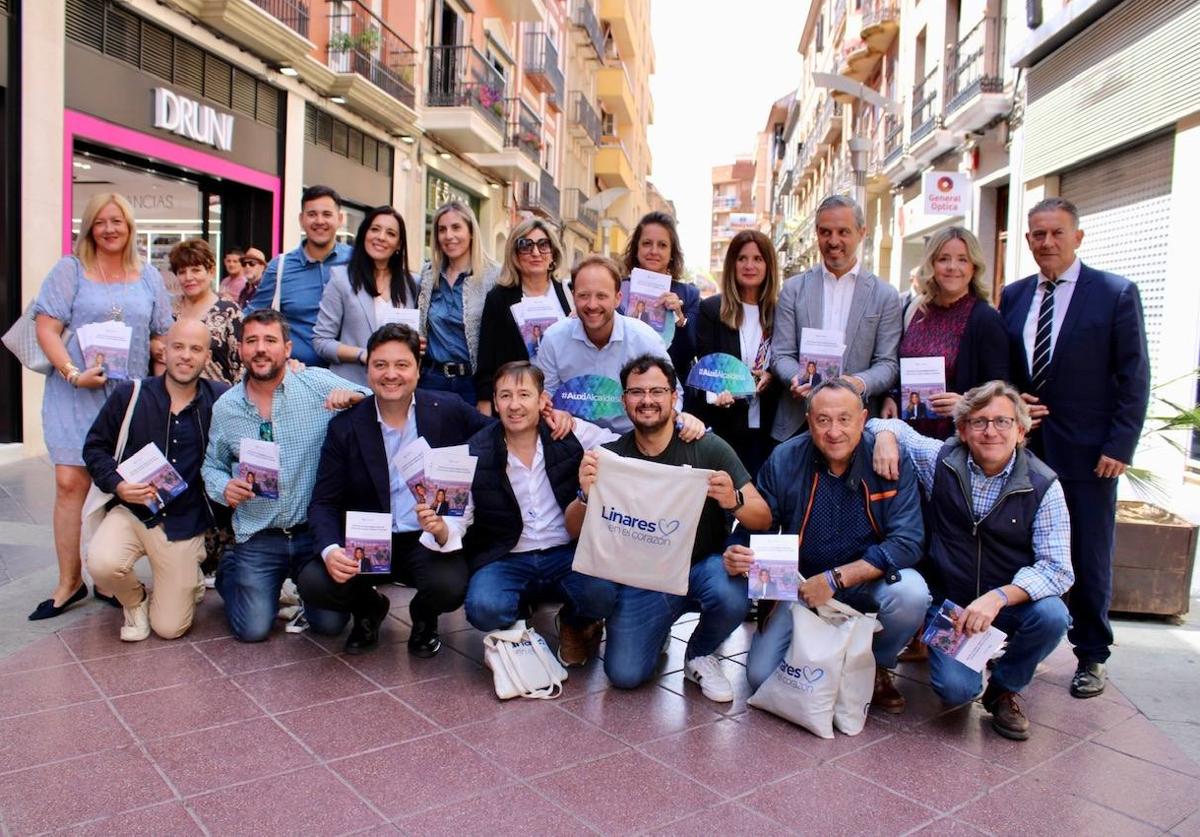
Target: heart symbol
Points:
(812, 675)
(668, 527)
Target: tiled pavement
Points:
(208, 735)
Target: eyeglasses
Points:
(638, 393)
(979, 424)
(266, 432)
(525, 246)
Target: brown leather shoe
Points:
(886, 696)
(1007, 718)
(915, 652)
(577, 645)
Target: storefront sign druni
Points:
(188, 118)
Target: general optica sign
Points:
(188, 118)
(947, 193)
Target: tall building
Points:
(732, 207)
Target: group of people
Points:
(999, 497)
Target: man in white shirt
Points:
(836, 295)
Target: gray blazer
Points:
(345, 317)
(474, 294)
(872, 337)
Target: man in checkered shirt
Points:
(999, 543)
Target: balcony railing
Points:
(541, 63)
(294, 13)
(459, 76)
(925, 113)
(728, 202)
(893, 138)
(573, 209)
(584, 17)
(974, 65)
(541, 197)
(585, 116)
(879, 13)
(359, 42)
(524, 130)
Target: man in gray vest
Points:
(838, 295)
(999, 544)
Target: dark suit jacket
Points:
(1098, 385)
(729, 423)
(499, 338)
(353, 472)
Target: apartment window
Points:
(820, 40)
(608, 124)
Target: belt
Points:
(450, 370)
(288, 532)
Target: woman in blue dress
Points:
(103, 280)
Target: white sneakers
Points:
(137, 621)
(706, 673)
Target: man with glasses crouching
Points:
(1000, 543)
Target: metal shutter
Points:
(1124, 206)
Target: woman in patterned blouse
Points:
(194, 265)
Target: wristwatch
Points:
(741, 499)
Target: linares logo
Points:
(654, 532)
(800, 677)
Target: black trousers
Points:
(440, 578)
(1092, 505)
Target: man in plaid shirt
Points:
(999, 543)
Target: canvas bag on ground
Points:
(641, 523)
(805, 687)
(96, 502)
(522, 664)
(858, 671)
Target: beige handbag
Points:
(641, 523)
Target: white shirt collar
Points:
(852, 272)
(412, 411)
(1071, 274)
(618, 332)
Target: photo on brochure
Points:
(920, 379)
(646, 290)
(258, 465)
(106, 345)
(449, 473)
(820, 356)
(774, 573)
(369, 541)
(972, 650)
(149, 466)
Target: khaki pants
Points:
(120, 540)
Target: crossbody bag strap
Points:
(123, 435)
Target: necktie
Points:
(1041, 340)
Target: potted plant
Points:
(340, 41)
(369, 39)
(1155, 548)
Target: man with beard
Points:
(290, 409)
(174, 412)
(305, 271)
(642, 619)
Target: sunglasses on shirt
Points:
(525, 246)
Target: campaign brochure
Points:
(106, 345)
(775, 573)
(534, 315)
(449, 473)
(149, 465)
(410, 317)
(920, 377)
(258, 464)
(972, 651)
(590, 397)
(645, 290)
(410, 462)
(720, 372)
(821, 353)
(369, 541)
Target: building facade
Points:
(733, 208)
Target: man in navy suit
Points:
(1079, 357)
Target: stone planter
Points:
(1153, 561)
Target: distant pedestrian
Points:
(254, 262)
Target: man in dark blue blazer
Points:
(357, 472)
(1078, 355)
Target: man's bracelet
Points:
(580, 496)
(831, 581)
(1003, 596)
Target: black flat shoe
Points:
(108, 600)
(48, 610)
(423, 640)
(365, 634)
(1088, 681)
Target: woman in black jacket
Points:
(737, 322)
(531, 259)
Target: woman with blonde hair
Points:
(103, 280)
(951, 316)
(453, 289)
(531, 262)
(738, 321)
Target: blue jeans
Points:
(900, 607)
(642, 619)
(461, 385)
(497, 590)
(250, 577)
(1034, 630)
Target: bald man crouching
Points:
(173, 411)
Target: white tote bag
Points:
(858, 670)
(641, 523)
(522, 664)
(806, 688)
(96, 502)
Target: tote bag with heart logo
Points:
(641, 523)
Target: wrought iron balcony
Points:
(459, 76)
(975, 64)
(294, 13)
(541, 63)
(583, 18)
(541, 197)
(524, 130)
(893, 138)
(880, 22)
(574, 211)
(584, 121)
(925, 113)
(360, 42)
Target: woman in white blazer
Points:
(369, 291)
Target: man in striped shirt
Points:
(999, 543)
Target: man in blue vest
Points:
(999, 546)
